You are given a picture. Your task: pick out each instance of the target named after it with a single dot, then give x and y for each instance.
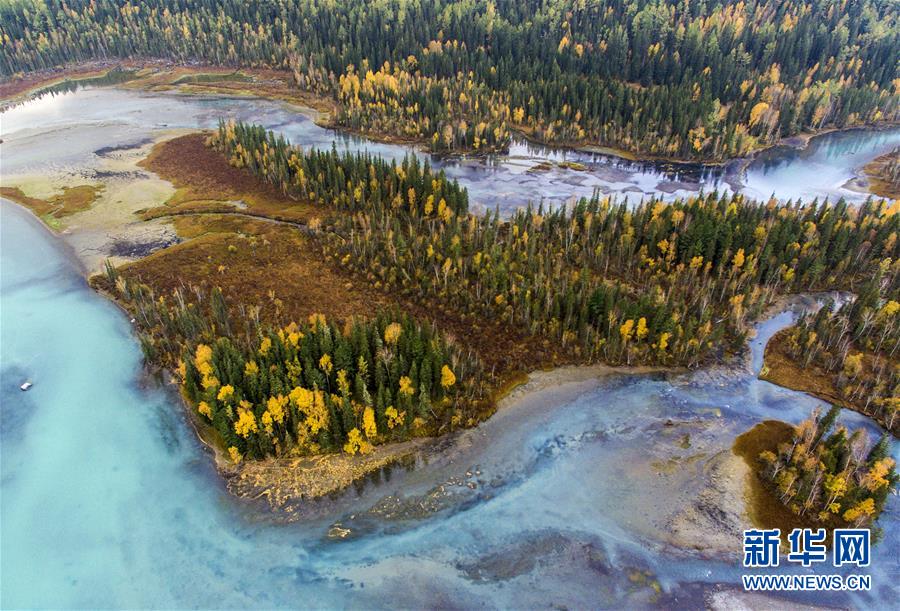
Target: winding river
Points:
(568, 496)
(88, 120)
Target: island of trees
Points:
(652, 282)
(703, 79)
(829, 476)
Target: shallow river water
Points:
(564, 497)
(76, 124)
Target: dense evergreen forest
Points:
(689, 79)
(605, 280)
(831, 476)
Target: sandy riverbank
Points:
(110, 228)
(713, 523)
(874, 178)
(681, 455)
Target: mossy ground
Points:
(782, 369)
(205, 182)
(255, 262)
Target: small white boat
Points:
(26, 386)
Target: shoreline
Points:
(318, 478)
(308, 488)
(299, 488)
(110, 228)
(799, 142)
(56, 237)
(871, 180)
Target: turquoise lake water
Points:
(108, 500)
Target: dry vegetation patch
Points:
(70, 201)
(255, 262)
(205, 182)
(881, 172)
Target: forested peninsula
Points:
(652, 284)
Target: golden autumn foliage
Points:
(234, 454)
(860, 512)
(626, 330)
(392, 333)
(246, 423)
(225, 393)
(406, 386)
(356, 444)
(829, 476)
(369, 426)
(757, 112)
(641, 330)
(203, 355)
(394, 418)
(275, 407)
(448, 379)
